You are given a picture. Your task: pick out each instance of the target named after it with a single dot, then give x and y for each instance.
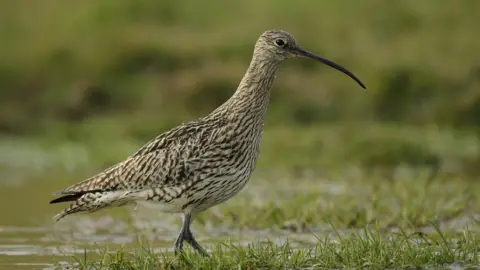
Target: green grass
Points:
(331, 219)
(362, 249)
(352, 202)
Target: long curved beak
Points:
(304, 53)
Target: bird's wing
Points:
(167, 160)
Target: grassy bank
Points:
(331, 218)
(365, 249)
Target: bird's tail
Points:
(90, 202)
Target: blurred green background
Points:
(118, 69)
(154, 63)
(85, 83)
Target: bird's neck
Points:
(253, 93)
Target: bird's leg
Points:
(186, 235)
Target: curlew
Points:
(201, 163)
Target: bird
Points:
(201, 163)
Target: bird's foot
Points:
(194, 244)
(188, 237)
(179, 244)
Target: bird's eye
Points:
(280, 42)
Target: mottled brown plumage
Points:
(199, 164)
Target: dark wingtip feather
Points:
(67, 198)
(71, 196)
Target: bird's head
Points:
(279, 45)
